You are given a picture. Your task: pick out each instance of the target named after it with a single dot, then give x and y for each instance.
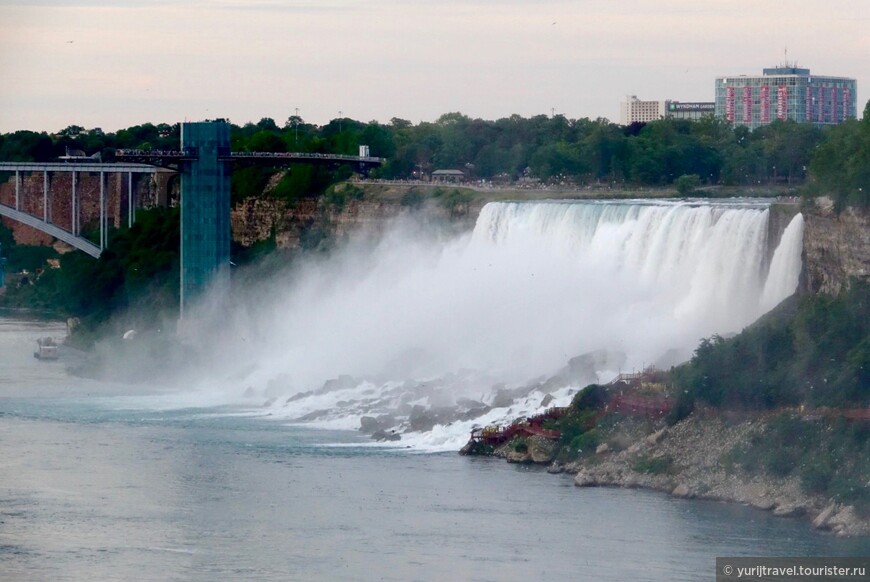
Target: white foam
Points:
(534, 285)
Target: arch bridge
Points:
(205, 163)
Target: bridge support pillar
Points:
(205, 212)
(45, 196)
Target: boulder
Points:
(584, 479)
(845, 521)
(518, 457)
(602, 448)
(762, 503)
(421, 419)
(371, 424)
(540, 450)
(383, 435)
(682, 491)
(821, 520)
(789, 510)
(556, 468)
(547, 400)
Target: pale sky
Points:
(98, 63)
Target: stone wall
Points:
(145, 188)
(836, 247)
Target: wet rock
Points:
(421, 420)
(299, 396)
(845, 521)
(789, 510)
(343, 382)
(682, 491)
(821, 520)
(518, 457)
(503, 398)
(371, 424)
(584, 479)
(762, 503)
(583, 369)
(547, 400)
(556, 468)
(540, 450)
(383, 435)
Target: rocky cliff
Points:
(836, 247)
(146, 192)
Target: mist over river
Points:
(432, 335)
(247, 466)
(95, 485)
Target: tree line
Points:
(552, 149)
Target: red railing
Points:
(532, 426)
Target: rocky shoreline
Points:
(689, 460)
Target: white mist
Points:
(534, 285)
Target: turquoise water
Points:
(97, 483)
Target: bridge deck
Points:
(76, 167)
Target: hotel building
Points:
(785, 92)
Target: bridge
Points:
(205, 162)
(50, 224)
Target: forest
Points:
(141, 263)
(709, 152)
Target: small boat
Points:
(46, 349)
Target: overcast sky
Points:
(114, 64)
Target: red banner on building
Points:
(765, 104)
(782, 102)
(820, 105)
(847, 102)
(834, 114)
(729, 104)
(747, 105)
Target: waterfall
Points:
(785, 268)
(704, 262)
(417, 320)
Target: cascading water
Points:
(418, 326)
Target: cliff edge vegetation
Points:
(777, 417)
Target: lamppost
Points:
(296, 120)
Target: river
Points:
(99, 482)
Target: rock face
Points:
(836, 247)
(147, 189)
(696, 446)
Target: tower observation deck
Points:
(205, 162)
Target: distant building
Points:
(694, 110)
(785, 92)
(633, 110)
(451, 176)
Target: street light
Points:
(296, 119)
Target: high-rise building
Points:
(693, 110)
(785, 92)
(633, 110)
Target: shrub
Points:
(585, 443)
(590, 398)
(687, 184)
(519, 445)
